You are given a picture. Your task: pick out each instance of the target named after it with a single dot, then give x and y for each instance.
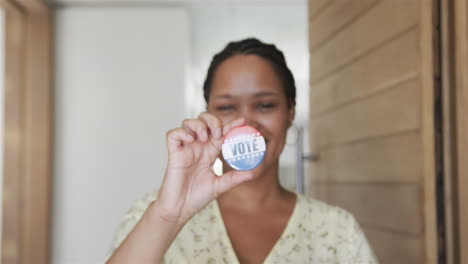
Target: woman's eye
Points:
(265, 105)
(225, 108)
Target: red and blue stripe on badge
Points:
(244, 148)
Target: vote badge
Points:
(244, 148)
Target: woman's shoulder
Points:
(319, 215)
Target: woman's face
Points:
(247, 86)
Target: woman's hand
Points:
(190, 183)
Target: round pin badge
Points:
(244, 148)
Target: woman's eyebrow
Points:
(259, 94)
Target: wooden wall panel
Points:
(384, 68)
(394, 247)
(316, 7)
(378, 25)
(372, 121)
(375, 160)
(401, 202)
(377, 115)
(335, 17)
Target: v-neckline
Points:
(274, 248)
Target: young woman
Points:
(241, 216)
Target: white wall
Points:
(120, 76)
(2, 105)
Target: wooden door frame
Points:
(28, 130)
(454, 48)
(460, 44)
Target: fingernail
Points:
(219, 133)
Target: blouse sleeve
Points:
(129, 221)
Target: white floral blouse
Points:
(316, 233)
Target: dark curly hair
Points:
(253, 46)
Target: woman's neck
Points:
(262, 192)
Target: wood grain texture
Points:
(375, 160)
(391, 247)
(316, 7)
(32, 6)
(449, 131)
(372, 121)
(28, 137)
(8, 6)
(428, 129)
(37, 181)
(461, 72)
(13, 137)
(386, 67)
(388, 19)
(392, 111)
(338, 14)
(398, 205)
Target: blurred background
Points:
(92, 86)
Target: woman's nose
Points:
(252, 121)
(249, 116)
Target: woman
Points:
(242, 216)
